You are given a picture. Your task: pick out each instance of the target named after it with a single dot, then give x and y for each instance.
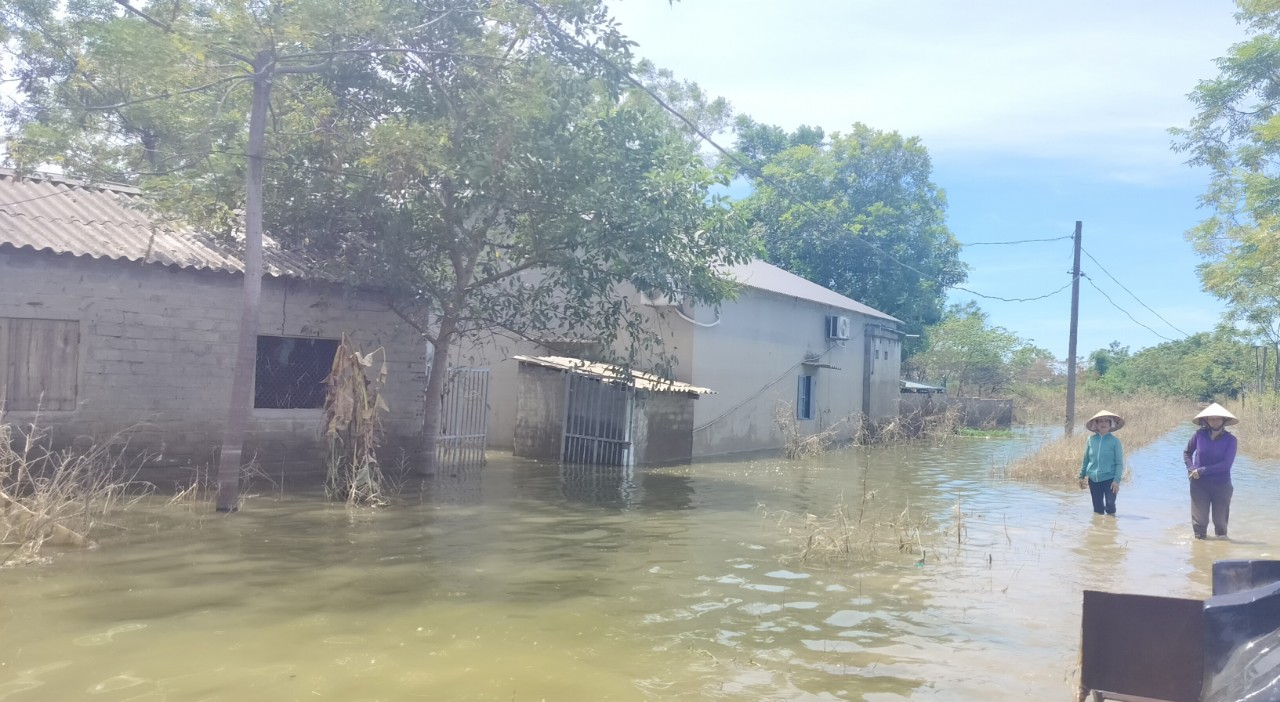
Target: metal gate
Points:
(597, 423)
(464, 417)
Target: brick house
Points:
(109, 323)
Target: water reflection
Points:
(520, 580)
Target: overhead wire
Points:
(1126, 312)
(1135, 297)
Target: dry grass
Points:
(848, 534)
(855, 430)
(58, 497)
(1259, 427)
(1147, 418)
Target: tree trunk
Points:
(436, 378)
(1275, 379)
(230, 459)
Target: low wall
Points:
(977, 412)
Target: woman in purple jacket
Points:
(1209, 456)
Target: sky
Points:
(1036, 115)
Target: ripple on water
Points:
(109, 635)
(759, 609)
(765, 588)
(847, 618)
(788, 575)
(116, 683)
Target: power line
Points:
(1122, 287)
(1126, 312)
(1008, 243)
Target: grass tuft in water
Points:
(58, 498)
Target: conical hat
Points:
(1216, 410)
(1119, 421)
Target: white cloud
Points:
(1092, 81)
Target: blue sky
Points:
(1036, 114)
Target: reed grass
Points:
(848, 533)
(59, 498)
(1147, 418)
(1259, 429)
(855, 430)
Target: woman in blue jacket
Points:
(1103, 464)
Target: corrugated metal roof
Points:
(604, 371)
(103, 220)
(765, 276)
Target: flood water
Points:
(524, 581)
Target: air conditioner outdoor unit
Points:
(838, 327)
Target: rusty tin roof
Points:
(605, 371)
(106, 221)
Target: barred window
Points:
(291, 372)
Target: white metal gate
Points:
(597, 424)
(464, 416)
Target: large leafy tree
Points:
(1236, 134)
(514, 184)
(855, 212)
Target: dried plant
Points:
(353, 410)
(797, 444)
(849, 534)
(60, 497)
(1259, 427)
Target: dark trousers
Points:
(1103, 499)
(1210, 497)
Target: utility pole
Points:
(1071, 342)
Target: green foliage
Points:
(970, 356)
(1103, 360)
(834, 209)
(1204, 366)
(1236, 134)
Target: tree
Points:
(1236, 134)
(854, 212)
(523, 193)
(964, 350)
(1202, 366)
(1102, 360)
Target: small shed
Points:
(909, 387)
(576, 411)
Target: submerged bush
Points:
(61, 497)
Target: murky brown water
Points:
(529, 582)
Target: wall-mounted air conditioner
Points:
(838, 327)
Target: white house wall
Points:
(753, 359)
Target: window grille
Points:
(291, 372)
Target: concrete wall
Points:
(976, 413)
(754, 356)
(539, 412)
(157, 346)
(663, 431)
